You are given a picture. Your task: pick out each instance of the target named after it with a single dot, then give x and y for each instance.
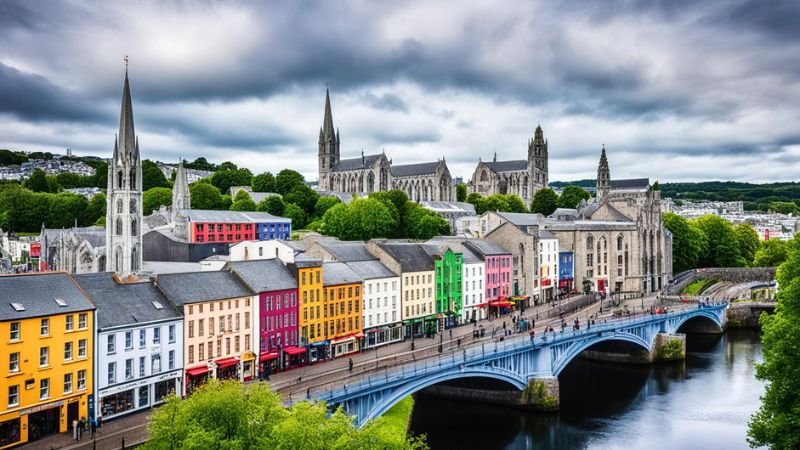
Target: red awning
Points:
(226, 362)
(481, 305)
(500, 303)
(294, 350)
(268, 356)
(359, 335)
(197, 371)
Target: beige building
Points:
(219, 316)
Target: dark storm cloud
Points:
(388, 102)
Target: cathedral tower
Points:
(124, 197)
(603, 176)
(328, 145)
(537, 160)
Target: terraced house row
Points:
(93, 345)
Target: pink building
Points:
(497, 267)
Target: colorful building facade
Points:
(313, 335)
(47, 331)
(449, 287)
(380, 304)
(235, 226)
(342, 297)
(566, 272)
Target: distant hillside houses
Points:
(192, 175)
(51, 167)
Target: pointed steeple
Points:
(603, 176)
(181, 196)
(127, 136)
(327, 121)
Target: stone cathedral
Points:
(124, 196)
(428, 181)
(521, 177)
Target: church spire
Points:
(127, 136)
(181, 197)
(327, 122)
(603, 176)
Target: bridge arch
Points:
(563, 360)
(704, 314)
(413, 386)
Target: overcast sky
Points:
(676, 90)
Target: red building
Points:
(235, 226)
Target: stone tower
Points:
(124, 197)
(537, 159)
(181, 197)
(603, 176)
(328, 145)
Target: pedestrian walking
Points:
(350, 363)
(93, 427)
(100, 422)
(308, 393)
(75, 429)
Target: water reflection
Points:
(703, 402)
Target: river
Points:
(703, 402)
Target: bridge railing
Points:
(480, 354)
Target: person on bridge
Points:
(350, 363)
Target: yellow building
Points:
(46, 331)
(342, 298)
(311, 308)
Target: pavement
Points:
(123, 432)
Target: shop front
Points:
(413, 328)
(227, 368)
(448, 320)
(318, 351)
(268, 364)
(139, 394)
(346, 345)
(45, 421)
(10, 432)
(248, 366)
(118, 403)
(565, 287)
(519, 302)
(382, 336)
(294, 357)
(499, 307)
(196, 377)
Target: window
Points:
(141, 366)
(210, 349)
(247, 319)
(45, 327)
(128, 369)
(82, 321)
(13, 362)
(70, 325)
(112, 373)
(246, 342)
(111, 345)
(156, 335)
(172, 358)
(211, 325)
(201, 352)
(128, 340)
(172, 334)
(81, 380)
(67, 351)
(191, 328)
(142, 339)
(14, 335)
(200, 327)
(237, 321)
(44, 388)
(236, 344)
(82, 348)
(67, 383)
(44, 356)
(13, 395)
(191, 354)
(155, 363)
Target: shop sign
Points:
(38, 408)
(137, 383)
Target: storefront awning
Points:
(197, 371)
(481, 305)
(268, 356)
(293, 350)
(519, 298)
(500, 303)
(226, 362)
(412, 321)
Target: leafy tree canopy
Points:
(747, 239)
(273, 205)
(545, 201)
(302, 196)
(771, 253)
(205, 196)
(296, 213)
(324, 204)
(224, 179)
(243, 205)
(688, 242)
(152, 176)
(722, 247)
(286, 180)
(461, 192)
(38, 181)
(263, 182)
(154, 198)
(571, 196)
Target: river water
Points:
(701, 403)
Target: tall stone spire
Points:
(181, 197)
(603, 176)
(124, 196)
(328, 145)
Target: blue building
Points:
(566, 272)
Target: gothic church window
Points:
(119, 206)
(134, 230)
(119, 179)
(118, 228)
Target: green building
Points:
(449, 298)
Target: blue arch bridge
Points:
(531, 366)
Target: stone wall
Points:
(730, 274)
(746, 314)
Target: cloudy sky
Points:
(676, 90)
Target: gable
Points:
(608, 213)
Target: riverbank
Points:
(397, 421)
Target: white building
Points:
(269, 249)
(548, 265)
(138, 346)
(381, 309)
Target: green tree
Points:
(324, 204)
(748, 242)
(422, 223)
(495, 202)
(335, 221)
(224, 179)
(688, 242)
(461, 192)
(38, 181)
(69, 180)
(263, 182)
(244, 205)
(545, 201)
(225, 203)
(296, 214)
(515, 204)
(286, 180)
(227, 165)
(152, 176)
(369, 218)
(154, 198)
(273, 205)
(302, 196)
(776, 423)
(477, 201)
(784, 208)
(95, 209)
(65, 209)
(571, 196)
(241, 194)
(199, 164)
(721, 248)
(771, 253)
(205, 196)
(397, 197)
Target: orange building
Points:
(308, 273)
(342, 298)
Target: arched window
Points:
(119, 179)
(133, 178)
(134, 230)
(118, 230)
(132, 207)
(590, 243)
(119, 206)
(619, 243)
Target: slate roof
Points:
(507, 166)
(411, 257)
(263, 275)
(356, 163)
(335, 273)
(165, 267)
(411, 170)
(208, 215)
(437, 247)
(544, 234)
(522, 219)
(368, 270)
(631, 183)
(124, 304)
(37, 294)
(348, 252)
(455, 207)
(195, 287)
(485, 247)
